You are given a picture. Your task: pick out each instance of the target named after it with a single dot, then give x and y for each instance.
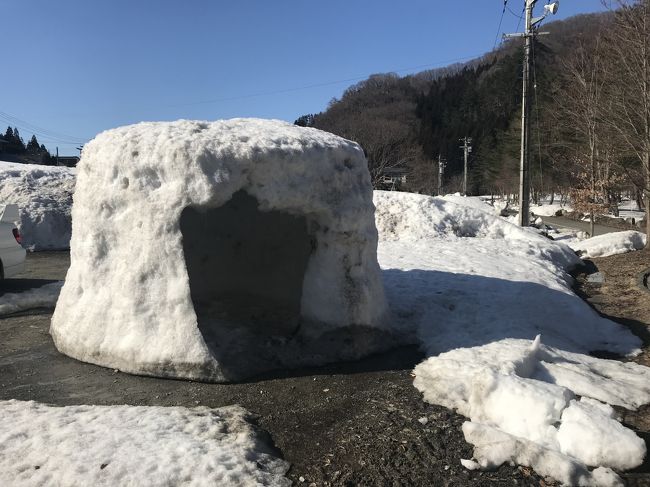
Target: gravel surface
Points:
(358, 423)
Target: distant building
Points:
(70, 161)
(393, 178)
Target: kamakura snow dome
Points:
(219, 250)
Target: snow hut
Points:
(219, 250)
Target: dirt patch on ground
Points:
(621, 298)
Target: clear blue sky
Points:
(77, 67)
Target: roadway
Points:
(560, 221)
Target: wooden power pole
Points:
(524, 165)
(467, 148)
(441, 170)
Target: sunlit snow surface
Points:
(132, 445)
(477, 290)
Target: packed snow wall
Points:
(219, 250)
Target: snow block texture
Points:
(219, 250)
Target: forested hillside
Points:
(13, 148)
(407, 122)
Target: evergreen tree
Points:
(33, 146)
(18, 141)
(305, 121)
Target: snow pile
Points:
(404, 217)
(477, 290)
(476, 202)
(219, 250)
(610, 244)
(44, 196)
(547, 209)
(40, 297)
(128, 445)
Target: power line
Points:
(325, 83)
(40, 131)
(31, 126)
(69, 139)
(496, 38)
(520, 17)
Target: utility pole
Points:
(524, 165)
(467, 148)
(441, 170)
(57, 156)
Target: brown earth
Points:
(622, 298)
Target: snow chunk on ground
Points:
(495, 447)
(610, 244)
(126, 445)
(40, 297)
(44, 197)
(476, 290)
(590, 433)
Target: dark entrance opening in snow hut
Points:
(246, 270)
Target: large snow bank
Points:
(131, 445)
(217, 250)
(477, 290)
(610, 244)
(44, 196)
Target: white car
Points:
(12, 255)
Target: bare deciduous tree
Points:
(581, 112)
(628, 63)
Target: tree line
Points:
(13, 144)
(590, 118)
(603, 122)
